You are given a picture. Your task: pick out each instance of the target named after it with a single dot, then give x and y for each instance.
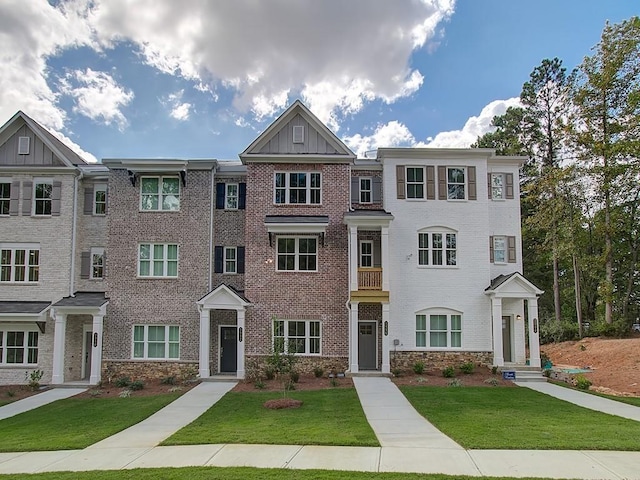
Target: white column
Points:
(241, 336)
(59, 336)
(386, 344)
(498, 353)
(353, 257)
(205, 332)
(96, 349)
(384, 244)
(534, 337)
(353, 343)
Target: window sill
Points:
(315, 205)
(296, 271)
(438, 267)
(16, 366)
(19, 283)
(159, 211)
(156, 278)
(139, 359)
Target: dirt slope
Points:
(615, 363)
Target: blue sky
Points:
(149, 78)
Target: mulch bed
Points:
(481, 377)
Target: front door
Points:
(367, 345)
(228, 349)
(506, 338)
(87, 355)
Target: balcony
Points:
(369, 278)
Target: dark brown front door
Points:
(228, 349)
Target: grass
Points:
(76, 423)
(326, 417)
(520, 418)
(240, 473)
(628, 400)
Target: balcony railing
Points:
(369, 279)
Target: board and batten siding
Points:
(313, 142)
(39, 154)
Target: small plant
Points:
(583, 348)
(289, 385)
(494, 370)
(467, 368)
(175, 389)
(396, 372)
(11, 393)
(492, 381)
(333, 382)
(259, 384)
(454, 382)
(318, 371)
(126, 393)
(34, 378)
(418, 367)
(95, 392)
(294, 376)
(171, 380)
(269, 373)
(421, 380)
(136, 385)
(582, 382)
(449, 372)
(123, 382)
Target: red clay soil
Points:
(615, 363)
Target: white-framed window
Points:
(18, 346)
(415, 180)
(437, 248)
(160, 193)
(5, 196)
(231, 196)
(23, 145)
(497, 186)
(366, 253)
(500, 249)
(158, 260)
(439, 330)
(19, 263)
(42, 195)
(97, 264)
(99, 199)
(297, 254)
(365, 190)
(230, 260)
(456, 183)
(301, 337)
(297, 188)
(156, 341)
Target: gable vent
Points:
(23, 145)
(298, 134)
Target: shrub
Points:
(269, 372)
(396, 372)
(467, 367)
(418, 367)
(123, 382)
(318, 371)
(553, 332)
(454, 382)
(169, 380)
(421, 380)
(126, 393)
(333, 382)
(259, 384)
(136, 385)
(11, 393)
(34, 378)
(177, 388)
(492, 381)
(449, 372)
(582, 382)
(494, 370)
(294, 376)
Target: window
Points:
(297, 336)
(297, 254)
(230, 260)
(497, 186)
(365, 190)
(231, 196)
(297, 188)
(5, 197)
(437, 249)
(18, 346)
(100, 200)
(366, 253)
(502, 249)
(42, 194)
(160, 193)
(23, 145)
(415, 182)
(156, 341)
(499, 249)
(444, 330)
(158, 260)
(97, 264)
(19, 263)
(298, 134)
(455, 183)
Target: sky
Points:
(203, 78)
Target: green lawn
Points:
(520, 418)
(629, 400)
(326, 417)
(239, 473)
(76, 423)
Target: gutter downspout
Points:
(72, 283)
(212, 197)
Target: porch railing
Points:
(369, 278)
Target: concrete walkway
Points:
(586, 400)
(35, 401)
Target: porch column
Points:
(498, 352)
(96, 349)
(59, 336)
(240, 350)
(205, 332)
(353, 257)
(534, 332)
(386, 366)
(384, 246)
(353, 343)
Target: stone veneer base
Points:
(404, 361)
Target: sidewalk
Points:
(38, 400)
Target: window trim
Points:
(363, 255)
(97, 188)
(287, 188)
(159, 194)
(35, 199)
(227, 196)
(92, 265)
(503, 187)
(234, 260)
(28, 249)
(296, 252)
(463, 184)
(365, 190)
(5, 181)
(145, 342)
(409, 183)
(430, 250)
(427, 331)
(165, 260)
(307, 335)
(504, 250)
(25, 347)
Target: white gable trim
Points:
(516, 286)
(222, 298)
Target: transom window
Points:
(156, 341)
(297, 336)
(158, 260)
(455, 183)
(443, 330)
(365, 189)
(297, 254)
(231, 196)
(497, 186)
(18, 347)
(97, 264)
(437, 249)
(160, 193)
(42, 193)
(415, 182)
(19, 263)
(99, 199)
(297, 188)
(230, 260)
(5, 197)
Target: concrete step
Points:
(529, 375)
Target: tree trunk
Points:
(576, 283)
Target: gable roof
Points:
(336, 150)
(224, 297)
(512, 285)
(62, 151)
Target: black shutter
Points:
(242, 196)
(88, 201)
(376, 185)
(220, 195)
(218, 266)
(85, 264)
(240, 255)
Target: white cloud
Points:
(97, 96)
(179, 110)
(392, 134)
(89, 157)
